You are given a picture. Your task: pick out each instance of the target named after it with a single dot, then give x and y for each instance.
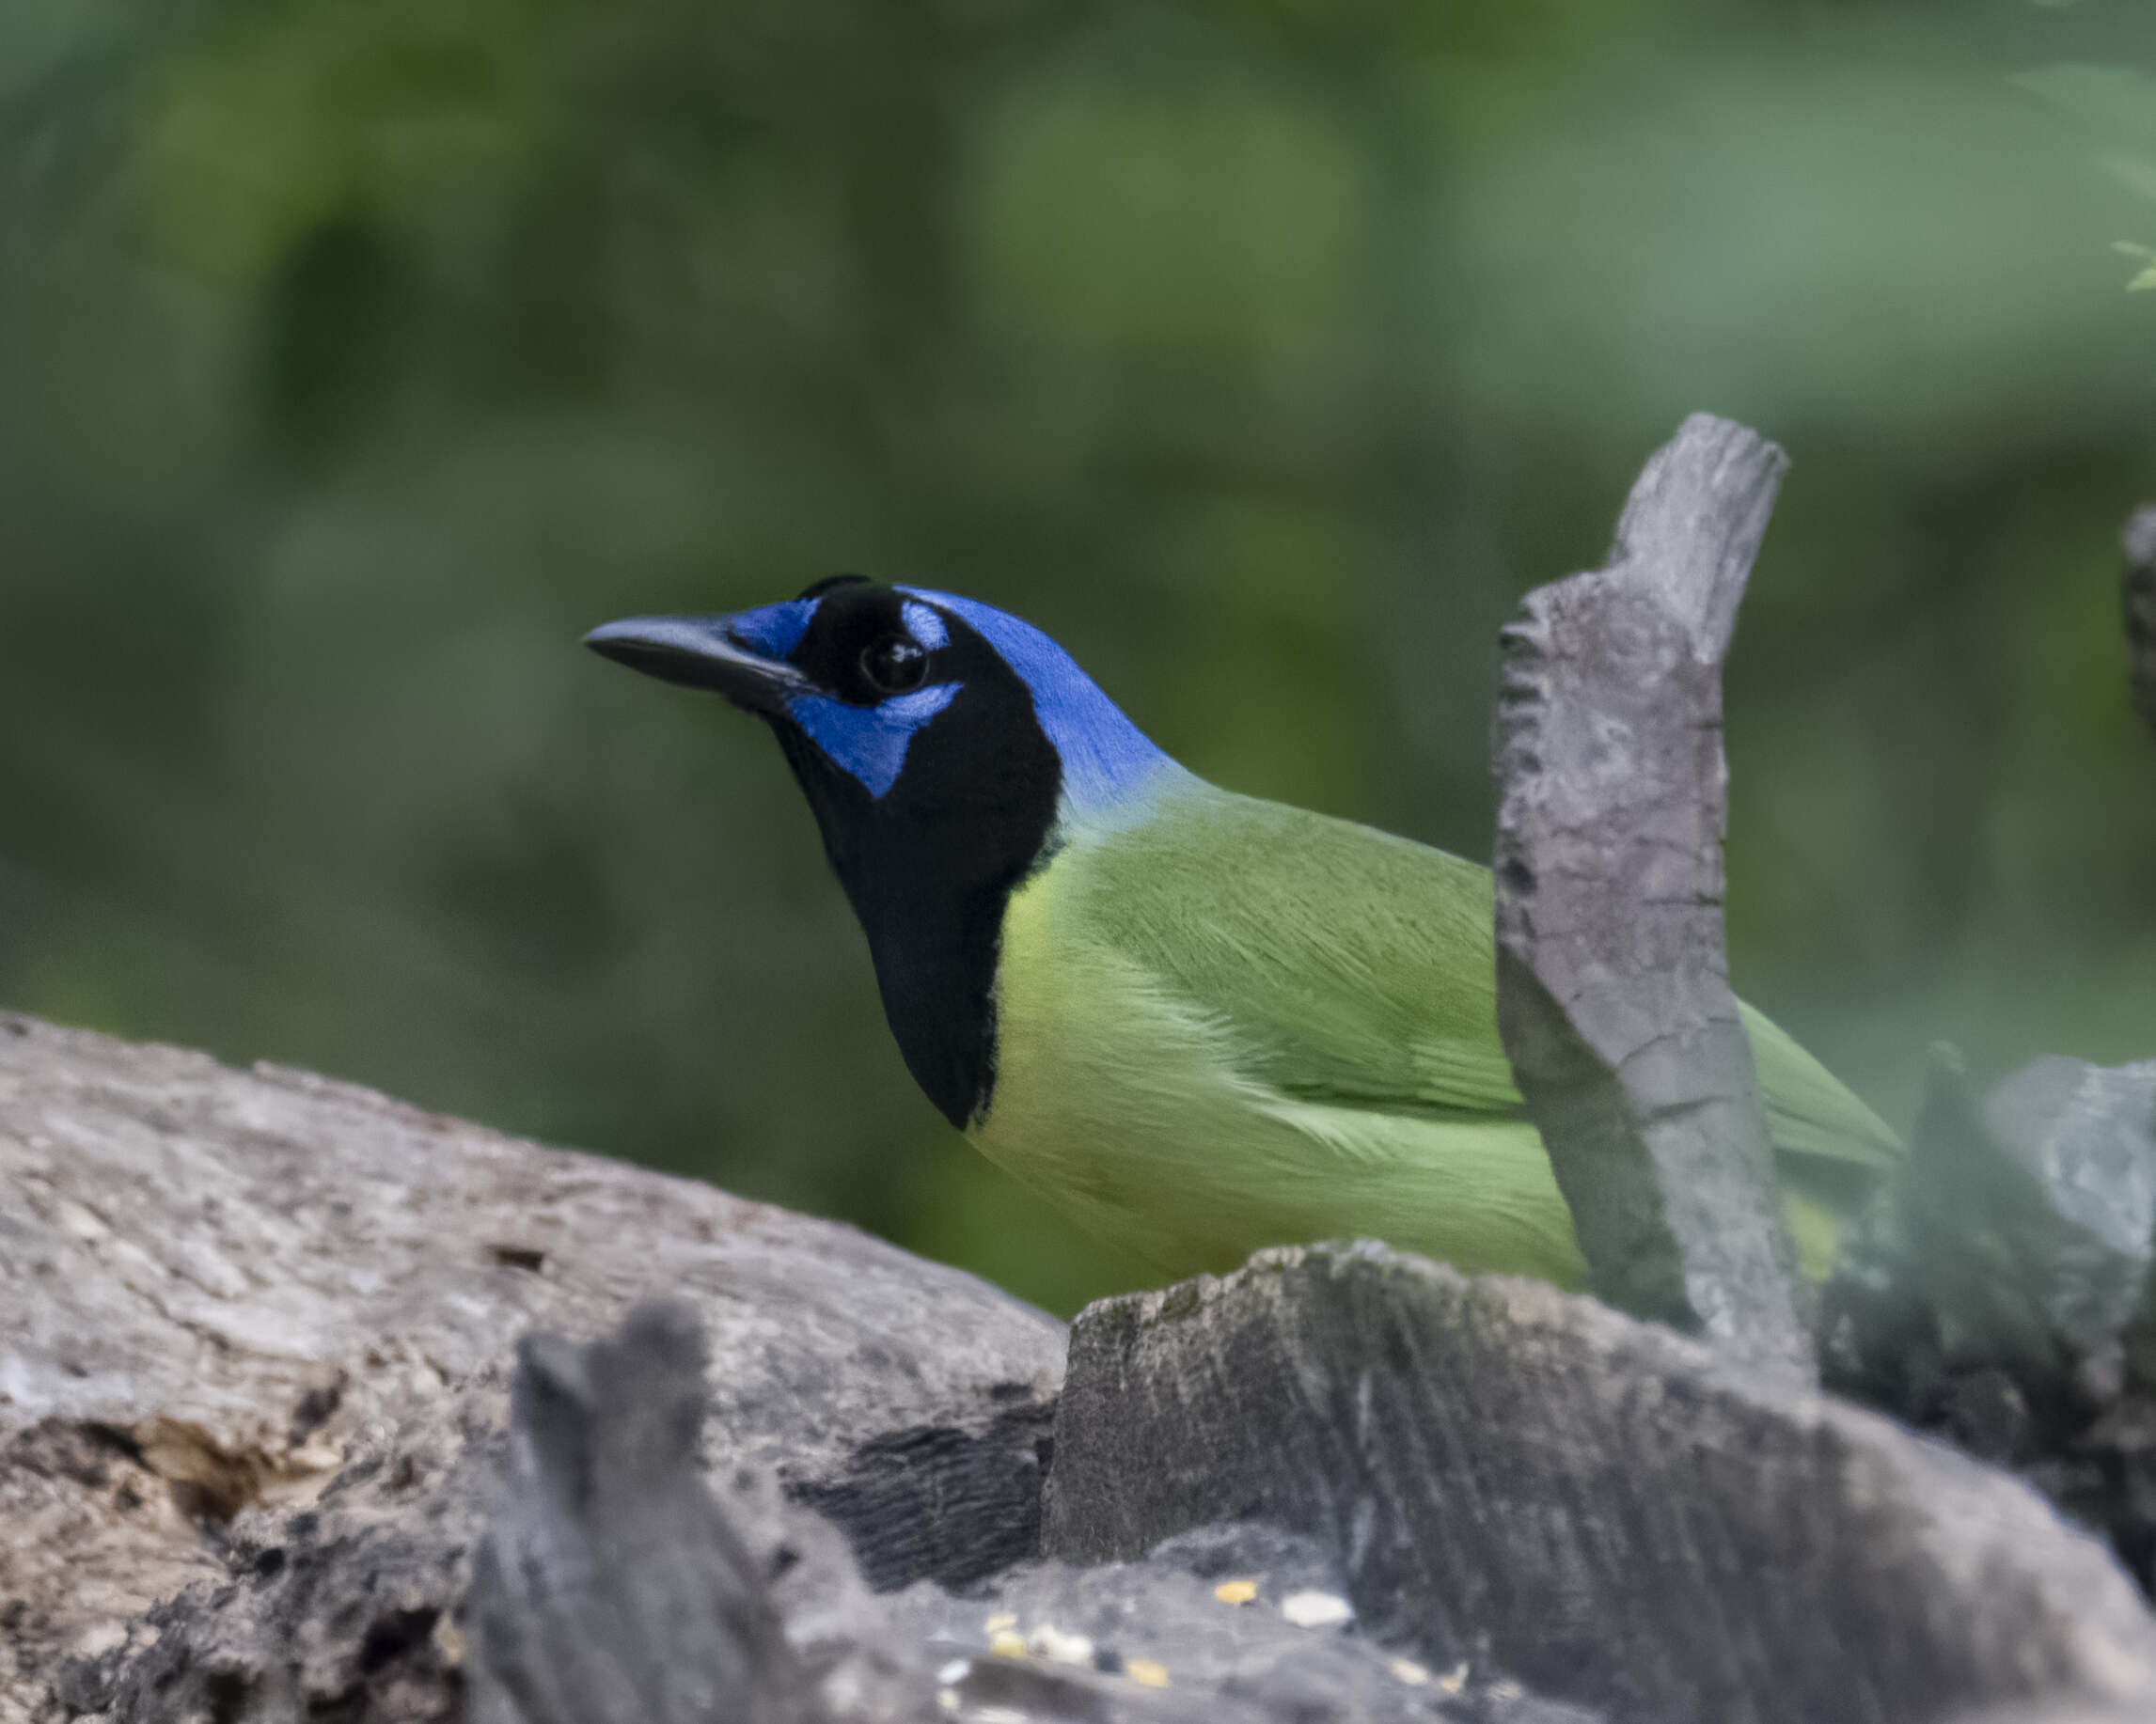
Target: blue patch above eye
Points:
(869, 742)
(772, 630)
(923, 624)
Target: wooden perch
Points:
(253, 1332)
(1602, 1508)
(253, 1422)
(610, 1588)
(1613, 982)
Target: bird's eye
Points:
(894, 665)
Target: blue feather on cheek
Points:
(869, 742)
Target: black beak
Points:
(699, 652)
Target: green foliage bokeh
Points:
(354, 359)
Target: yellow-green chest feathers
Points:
(1234, 1024)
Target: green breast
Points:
(1194, 1123)
(1236, 1024)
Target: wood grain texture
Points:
(1602, 1508)
(233, 1303)
(1614, 995)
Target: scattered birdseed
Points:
(947, 1699)
(1409, 1672)
(1236, 1591)
(1506, 1691)
(1145, 1671)
(1005, 1643)
(1047, 1641)
(998, 1714)
(956, 1671)
(1000, 1621)
(1317, 1609)
(1454, 1680)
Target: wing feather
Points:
(1357, 969)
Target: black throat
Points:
(930, 866)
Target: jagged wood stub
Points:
(2141, 609)
(1613, 981)
(610, 1585)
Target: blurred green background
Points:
(355, 358)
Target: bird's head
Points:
(946, 748)
(912, 718)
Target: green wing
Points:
(1356, 968)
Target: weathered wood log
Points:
(256, 1331)
(1607, 1509)
(1613, 992)
(611, 1584)
(254, 1336)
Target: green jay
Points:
(1199, 1021)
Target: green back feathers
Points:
(1355, 966)
(1313, 1000)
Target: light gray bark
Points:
(257, 1332)
(1614, 995)
(1603, 1508)
(611, 1587)
(261, 1317)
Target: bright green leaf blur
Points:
(355, 359)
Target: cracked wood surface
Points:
(222, 1289)
(1600, 1508)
